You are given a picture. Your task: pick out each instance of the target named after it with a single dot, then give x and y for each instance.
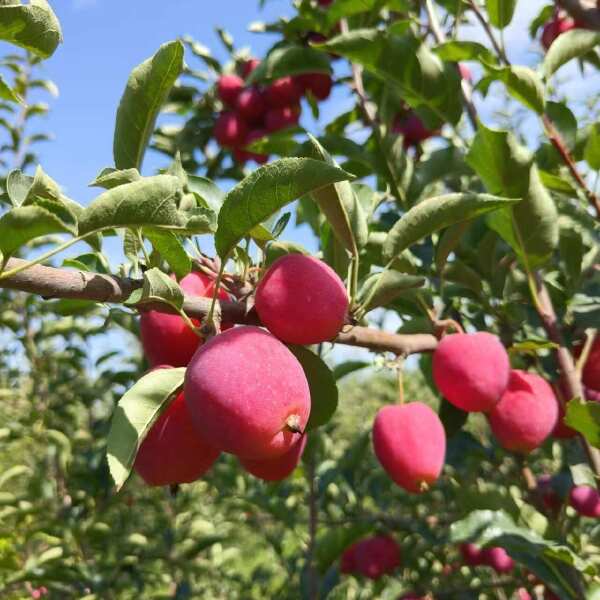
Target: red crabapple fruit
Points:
(276, 469)
(229, 87)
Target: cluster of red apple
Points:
(245, 392)
(251, 112)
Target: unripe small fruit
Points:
(251, 105)
(173, 451)
(526, 414)
(282, 118)
(249, 66)
(301, 300)
(498, 559)
(585, 499)
(377, 556)
(247, 394)
(276, 469)
(166, 338)
(471, 370)
(229, 87)
(397, 431)
(318, 84)
(230, 130)
(472, 554)
(283, 92)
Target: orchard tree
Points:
(455, 195)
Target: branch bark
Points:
(571, 378)
(51, 282)
(585, 11)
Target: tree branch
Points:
(50, 282)
(585, 11)
(571, 378)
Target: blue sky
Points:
(103, 41)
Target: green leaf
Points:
(380, 289)
(525, 546)
(457, 51)
(147, 90)
(422, 79)
(500, 12)
(564, 120)
(157, 287)
(278, 249)
(6, 93)
(350, 366)
(110, 178)
(150, 201)
(567, 46)
(531, 227)
(134, 415)
(267, 190)
(532, 347)
(171, 249)
(211, 195)
(25, 223)
(17, 186)
(346, 8)
(452, 418)
(436, 213)
(323, 390)
(501, 162)
(585, 418)
(524, 85)
(32, 26)
(591, 152)
(290, 60)
(341, 207)
(448, 242)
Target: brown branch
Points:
(50, 282)
(572, 381)
(562, 149)
(584, 11)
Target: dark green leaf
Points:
(585, 418)
(323, 390)
(342, 369)
(134, 415)
(452, 418)
(591, 151)
(422, 79)
(147, 89)
(500, 161)
(382, 288)
(500, 12)
(150, 201)
(339, 204)
(211, 194)
(267, 190)
(457, 51)
(290, 60)
(567, 46)
(171, 249)
(157, 287)
(25, 223)
(278, 249)
(433, 214)
(523, 84)
(530, 227)
(32, 26)
(110, 178)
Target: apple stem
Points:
(293, 424)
